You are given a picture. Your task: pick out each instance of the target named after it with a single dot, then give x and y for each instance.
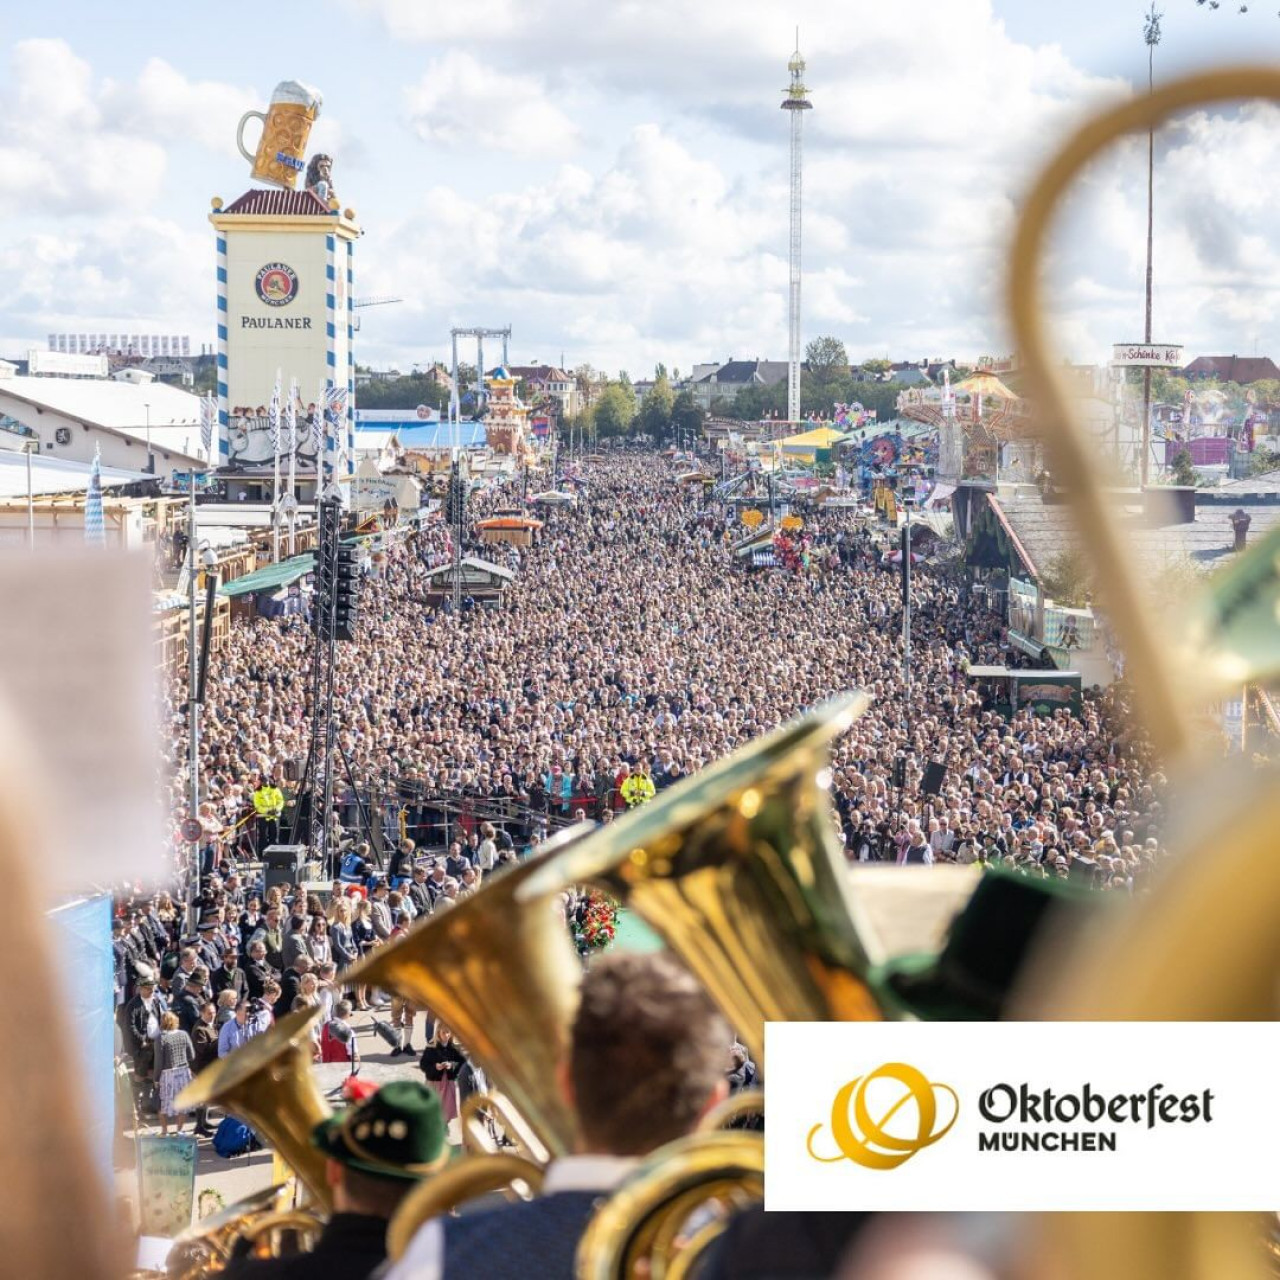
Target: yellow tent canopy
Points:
(983, 383)
(818, 438)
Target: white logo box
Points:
(1124, 1127)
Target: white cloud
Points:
(928, 121)
(1216, 258)
(116, 271)
(417, 20)
(163, 104)
(656, 254)
(463, 103)
(56, 152)
(637, 210)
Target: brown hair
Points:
(379, 1197)
(648, 1050)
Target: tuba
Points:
(267, 1083)
(203, 1249)
(739, 869)
(499, 971)
(645, 1218)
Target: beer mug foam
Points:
(282, 148)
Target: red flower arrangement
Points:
(595, 922)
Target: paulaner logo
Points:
(866, 1140)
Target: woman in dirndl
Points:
(441, 1061)
(174, 1055)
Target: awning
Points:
(1032, 648)
(271, 577)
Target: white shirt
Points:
(424, 1258)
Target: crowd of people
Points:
(633, 649)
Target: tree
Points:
(403, 393)
(877, 366)
(1263, 461)
(750, 404)
(1266, 391)
(581, 426)
(1066, 580)
(655, 413)
(1182, 472)
(686, 418)
(1167, 388)
(826, 358)
(880, 396)
(614, 410)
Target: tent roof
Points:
(483, 567)
(819, 437)
(986, 384)
(55, 475)
(438, 435)
(272, 576)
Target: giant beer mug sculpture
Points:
(282, 148)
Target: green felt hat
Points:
(397, 1132)
(987, 946)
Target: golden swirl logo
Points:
(867, 1140)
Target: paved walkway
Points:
(241, 1176)
(234, 1179)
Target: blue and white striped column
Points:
(351, 358)
(224, 416)
(330, 354)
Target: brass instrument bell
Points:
(740, 870)
(267, 1083)
(499, 971)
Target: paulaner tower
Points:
(797, 103)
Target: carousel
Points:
(984, 429)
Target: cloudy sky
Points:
(611, 179)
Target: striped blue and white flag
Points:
(336, 401)
(338, 409)
(291, 418)
(208, 416)
(95, 528)
(273, 416)
(317, 421)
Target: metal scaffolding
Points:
(315, 794)
(479, 335)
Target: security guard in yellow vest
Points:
(638, 788)
(268, 804)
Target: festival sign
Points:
(1139, 355)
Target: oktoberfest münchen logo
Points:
(277, 284)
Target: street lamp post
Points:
(1151, 34)
(151, 457)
